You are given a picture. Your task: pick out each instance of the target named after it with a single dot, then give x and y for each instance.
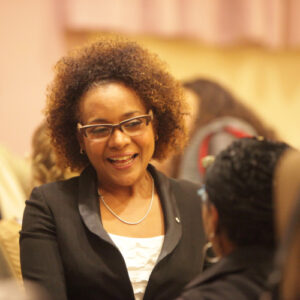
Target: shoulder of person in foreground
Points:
(240, 275)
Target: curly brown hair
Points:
(122, 60)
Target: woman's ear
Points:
(80, 141)
(211, 220)
(214, 219)
(153, 124)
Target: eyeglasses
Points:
(203, 194)
(131, 127)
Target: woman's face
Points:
(120, 160)
(194, 109)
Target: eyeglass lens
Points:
(131, 127)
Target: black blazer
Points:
(242, 275)
(65, 248)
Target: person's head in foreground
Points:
(237, 214)
(238, 203)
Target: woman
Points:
(121, 230)
(238, 221)
(218, 119)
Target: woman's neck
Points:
(141, 188)
(223, 246)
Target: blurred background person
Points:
(14, 184)
(238, 219)
(15, 177)
(44, 164)
(12, 290)
(217, 118)
(285, 278)
(41, 167)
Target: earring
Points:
(206, 256)
(82, 151)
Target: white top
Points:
(140, 255)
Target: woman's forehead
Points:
(110, 102)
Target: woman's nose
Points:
(118, 139)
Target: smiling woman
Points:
(113, 107)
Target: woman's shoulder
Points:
(185, 192)
(181, 186)
(56, 200)
(240, 275)
(185, 183)
(60, 185)
(234, 285)
(52, 193)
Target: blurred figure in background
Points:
(45, 167)
(12, 290)
(217, 118)
(237, 213)
(40, 168)
(14, 184)
(285, 279)
(18, 175)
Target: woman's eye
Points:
(133, 124)
(99, 130)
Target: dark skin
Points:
(221, 244)
(121, 161)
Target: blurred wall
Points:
(31, 41)
(266, 80)
(35, 33)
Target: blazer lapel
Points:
(89, 205)
(90, 212)
(173, 230)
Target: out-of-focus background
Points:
(250, 46)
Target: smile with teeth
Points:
(122, 159)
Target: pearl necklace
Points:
(124, 221)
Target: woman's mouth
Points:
(122, 161)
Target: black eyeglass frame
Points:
(81, 128)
